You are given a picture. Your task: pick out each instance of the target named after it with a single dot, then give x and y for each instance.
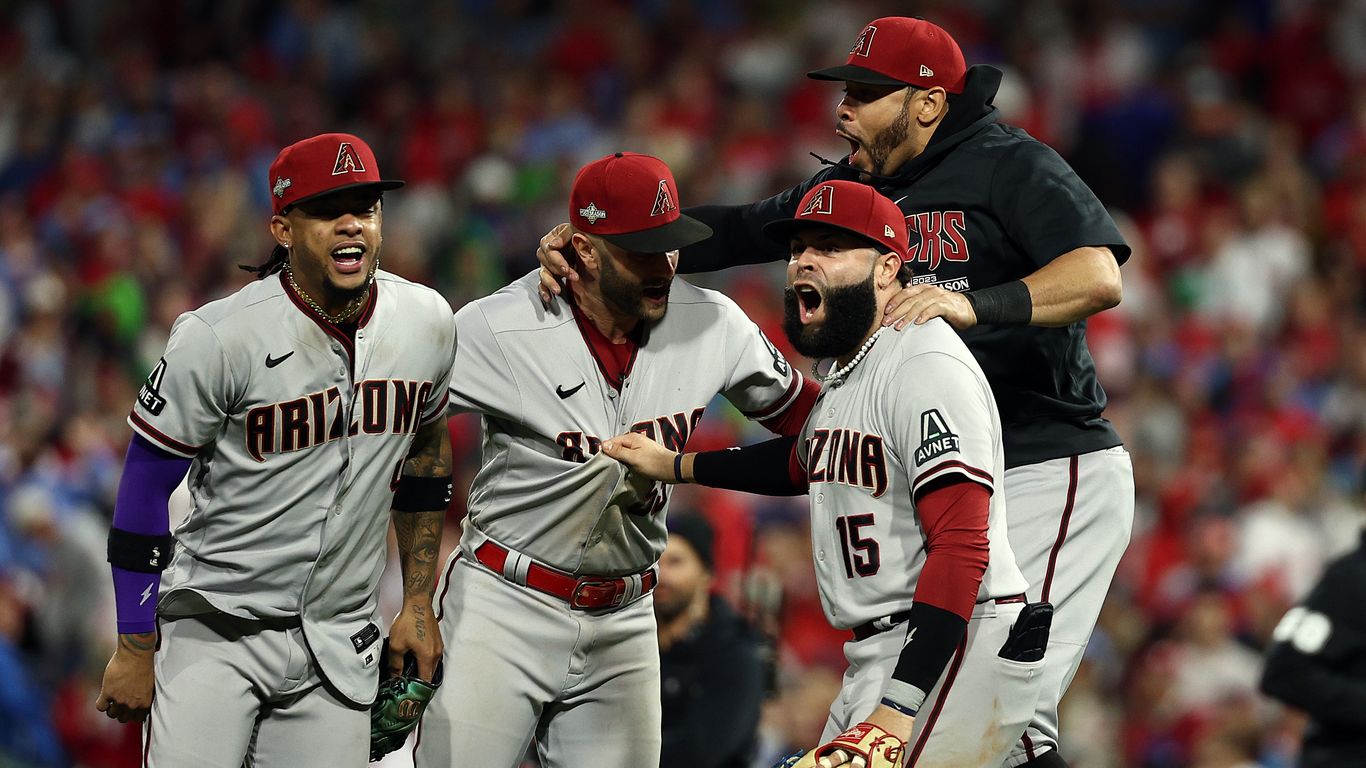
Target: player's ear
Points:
(929, 105)
(279, 229)
(583, 247)
(888, 266)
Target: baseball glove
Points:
(863, 746)
(399, 705)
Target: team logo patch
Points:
(592, 213)
(822, 202)
(926, 71)
(150, 394)
(347, 160)
(864, 44)
(664, 200)
(281, 184)
(935, 437)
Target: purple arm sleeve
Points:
(150, 475)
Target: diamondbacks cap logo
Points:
(664, 202)
(347, 160)
(864, 43)
(926, 71)
(281, 184)
(592, 213)
(822, 202)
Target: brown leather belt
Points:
(876, 626)
(585, 593)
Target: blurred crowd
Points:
(1229, 138)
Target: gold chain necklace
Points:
(348, 312)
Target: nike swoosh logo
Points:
(565, 393)
(271, 362)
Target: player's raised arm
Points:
(419, 511)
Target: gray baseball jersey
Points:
(547, 409)
(586, 682)
(298, 434)
(916, 409)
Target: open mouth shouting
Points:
(349, 258)
(655, 294)
(856, 150)
(810, 301)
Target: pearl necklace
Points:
(849, 366)
(348, 312)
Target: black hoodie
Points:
(985, 204)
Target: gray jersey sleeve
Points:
(942, 416)
(761, 383)
(185, 400)
(481, 378)
(436, 405)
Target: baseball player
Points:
(901, 455)
(546, 605)
(304, 407)
(1015, 252)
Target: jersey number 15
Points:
(861, 553)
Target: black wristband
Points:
(138, 551)
(422, 494)
(678, 467)
(1004, 304)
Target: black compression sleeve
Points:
(933, 635)
(760, 468)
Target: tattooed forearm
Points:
(419, 542)
(419, 533)
(139, 643)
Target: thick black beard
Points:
(888, 139)
(849, 313)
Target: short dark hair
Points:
(905, 274)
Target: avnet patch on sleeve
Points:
(936, 439)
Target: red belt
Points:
(870, 628)
(587, 593)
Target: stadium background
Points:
(1227, 137)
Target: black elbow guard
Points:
(138, 551)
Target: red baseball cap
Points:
(330, 162)
(850, 207)
(896, 50)
(631, 200)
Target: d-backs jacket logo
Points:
(943, 236)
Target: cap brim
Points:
(380, 186)
(782, 230)
(679, 233)
(854, 74)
